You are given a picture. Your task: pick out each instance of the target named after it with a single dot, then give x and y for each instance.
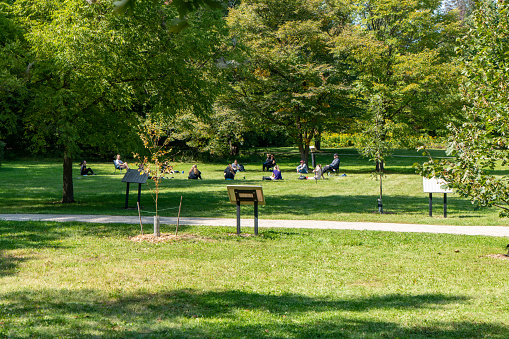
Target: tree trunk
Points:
(68, 194)
(318, 140)
(304, 152)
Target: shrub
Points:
(337, 140)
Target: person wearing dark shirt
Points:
(84, 170)
(229, 173)
(194, 173)
(269, 163)
(334, 164)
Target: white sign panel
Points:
(434, 185)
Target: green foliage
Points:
(401, 52)
(183, 7)
(481, 143)
(218, 134)
(14, 70)
(339, 140)
(374, 144)
(290, 79)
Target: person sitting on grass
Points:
(334, 166)
(318, 172)
(229, 173)
(276, 174)
(84, 170)
(119, 164)
(237, 167)
(167, 168)
(194, 173)
(302, 168)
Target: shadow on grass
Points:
(230, 314)
(26, 235)
(303, 205)
(19, 235)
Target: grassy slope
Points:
(33, 187)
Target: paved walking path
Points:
(497, 231)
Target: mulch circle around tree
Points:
(165, 237)
(168, 237)
(499, 256)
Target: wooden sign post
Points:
(246, 195)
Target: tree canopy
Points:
(401, 56)
(288, 76)
(480, 144)
(95, 74)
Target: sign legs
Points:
(127, 196)
(256, 218)
(445, 205)
(431, 205)
(238, 217)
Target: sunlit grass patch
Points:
(83, 280)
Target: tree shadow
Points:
(308, 203)
(233, 314)
(26, 235)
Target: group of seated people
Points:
(233, 168)
(319, 171)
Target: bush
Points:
(338, 140)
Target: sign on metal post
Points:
(313, 161)
(246, 195)
(136, 177)
(435, 185)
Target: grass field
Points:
(30, 186)
(74, 280)
(87, 281)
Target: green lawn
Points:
(89, 280)
(30, 186)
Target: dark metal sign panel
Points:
(135, 176)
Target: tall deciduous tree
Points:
(481, 144)
(95, 73)
(401, 55)
(289, 78)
